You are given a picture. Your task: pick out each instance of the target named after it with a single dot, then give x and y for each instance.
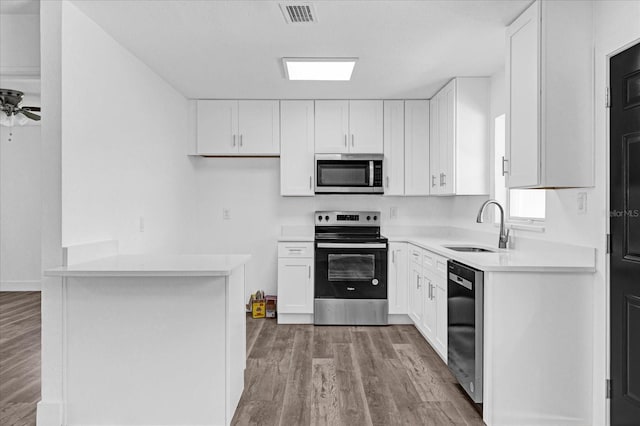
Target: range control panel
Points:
(333, 218)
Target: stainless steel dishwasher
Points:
(464, 327)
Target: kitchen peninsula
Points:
(151, 340)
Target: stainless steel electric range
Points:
(351, 269)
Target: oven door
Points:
(350, 270)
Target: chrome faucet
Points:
(504, 233)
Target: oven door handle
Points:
(353, 245)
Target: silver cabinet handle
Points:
(352, 140)
(310, 183)
(504, 166)
(441, 179)
(351, 288)
(444, 175)
(387, 181)
(309, 271)
(430, 290)
(240, 140)
(393, 256)
(418, 282)
(433, 180)
(234, 140)
(345, 140)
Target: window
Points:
(526, 205)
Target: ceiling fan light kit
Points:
(12, 112)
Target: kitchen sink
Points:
(470, 249)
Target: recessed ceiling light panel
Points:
(319, 69)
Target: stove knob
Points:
(368, 217)
(320, 218)
(326, 218)
(375, 218)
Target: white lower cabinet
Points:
(415, 292)
(397, 283)
(295, 282)
(428, 296)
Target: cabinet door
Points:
(332, 126)
(295, 286)
(434, 145)
(366, 127)
(440, 292)
(429, 314)
(398, 285)
(416, 124)
(522, 120)
(259, 127)
(415, 293)
(394, 148)
(296, 145)
(447, 140)
(217, 127)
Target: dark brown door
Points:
(625, 237)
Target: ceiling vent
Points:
(299, 13)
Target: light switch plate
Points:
(226, 214)
(393, 212)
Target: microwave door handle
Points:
(371, 173)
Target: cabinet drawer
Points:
(415, 255)
(295, 249)
(428, 260)
(441, 266)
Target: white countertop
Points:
(205, 265)
(529, 256)
(562, 258)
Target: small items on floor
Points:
(262, 306)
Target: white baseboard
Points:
(49, 414)
(295, 318)
(399, 319)
(32, 285)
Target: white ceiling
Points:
(233, 49)
(19, 7)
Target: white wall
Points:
(250, 188)
(124, 156)
(20, 208)
(20, 41)
(20, 193)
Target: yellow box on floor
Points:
(258, 308)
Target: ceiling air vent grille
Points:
(301, 13)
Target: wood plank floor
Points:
(19, 357)
(353, 376)
(296, 375)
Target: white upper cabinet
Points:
(365, 125)
(549, 142)
(259, 127)
(296, 148)
(238, 127)
(348, 126)
(217, 128)
(332, 126)
(416, 162)
(393, 165)
(459, 142)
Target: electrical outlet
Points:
(141, 224)
(226, 214)
(393, 212)
(582, 202)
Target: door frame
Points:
(607, 263)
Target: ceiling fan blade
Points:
(29, 114)
(30, 108)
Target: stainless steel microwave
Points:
(349, 173)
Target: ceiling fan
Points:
(10, 105)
